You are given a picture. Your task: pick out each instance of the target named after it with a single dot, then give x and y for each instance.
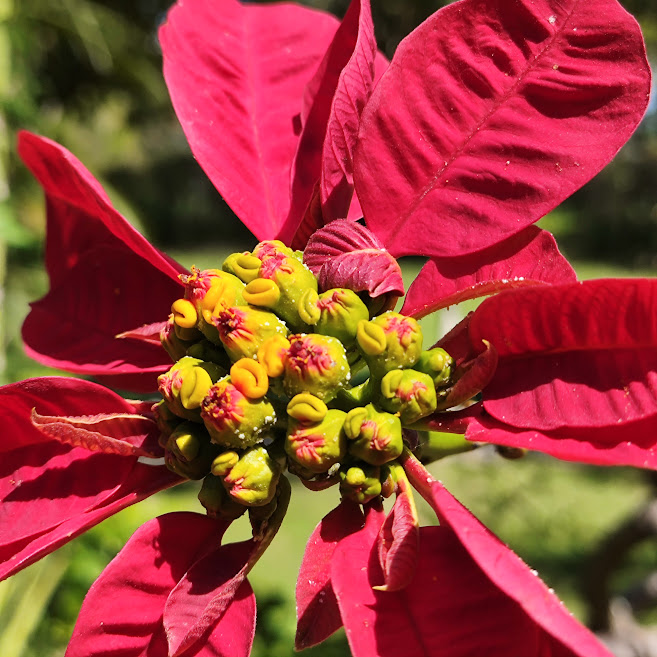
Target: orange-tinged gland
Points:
(262, 292)
(250, 378)
(184, 313)
(220, 293)
(307, 408)
(272, 354)
(371, 338)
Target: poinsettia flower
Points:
(487, 117)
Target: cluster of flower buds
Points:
(272, 373)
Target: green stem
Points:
(436, 445)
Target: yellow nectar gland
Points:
(184, 313)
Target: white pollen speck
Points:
(552, 20)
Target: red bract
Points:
(105, 278)
(53, 490)
(490, 114)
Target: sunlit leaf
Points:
(491, 114)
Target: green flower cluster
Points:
(272, 374)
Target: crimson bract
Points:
(292, 364)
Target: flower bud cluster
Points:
(264, 380)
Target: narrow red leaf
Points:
(340, 89)
(109, 433)
(398, 545)
(318, 615)
(236, 74)
(208, 589)
(147, 333)
(529, 258)
(205, 594)
(105, 278)
(501, 111)
(473, 377)
(44, 483)
(142, 577)
(81, 216)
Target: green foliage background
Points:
(87, 73)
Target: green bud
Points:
(217, 502)
(317, 447)
(389, 342)
(341, 311)
(280, 285)
(173, 345)
(360, 483)
(189, 452)
(185, 385)
(252, 480)
(166, 421)
(243, 330)
(374, 437)
(409, 393)
(438, 364)
(233, 419)
(316, 364)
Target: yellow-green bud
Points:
(173, 345)
(189, 452)
(360, 483)
(252, 480)
(409, 393)
(166, 420)
(374, 436)
(316, 364)
(317, 447)
(217, 502)
(341, 311)
(438, 364)
(243, 265)
(288, 280)
(185, 385)
(243, 330)
(389, 342)
(233, 419)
